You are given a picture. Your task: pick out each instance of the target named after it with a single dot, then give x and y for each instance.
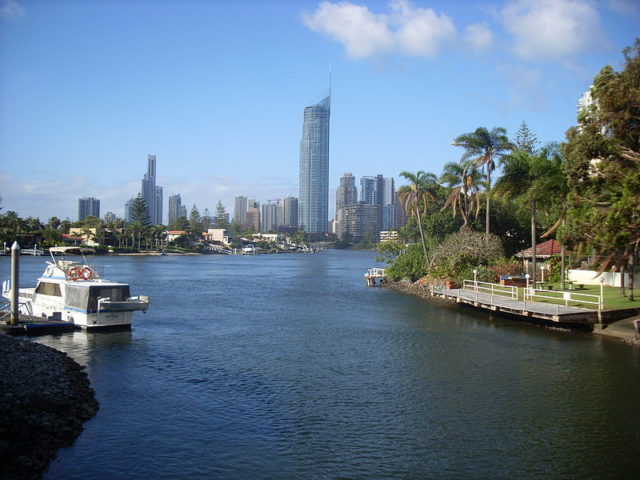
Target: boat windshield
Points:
(87, 298)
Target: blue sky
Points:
(216, 89)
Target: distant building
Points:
(272, 215)
(368, 190)
(151, 193)
(88, 206)
(128, 208)
(290, 213)
(313, 200)
(240, 210)
(358, 222)
(347, 192)
(253, 216)
(110, 217)
(175, 208)
(387, 235)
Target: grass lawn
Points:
(612, 298)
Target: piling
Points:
(15, 283)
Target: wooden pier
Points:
(497, 298)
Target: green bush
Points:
(408, 265)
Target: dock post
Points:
(15, 283)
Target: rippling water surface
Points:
(287, 366)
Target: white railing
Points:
(491, 288)
(375, 272)
(564, 297)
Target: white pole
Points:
(15, 283)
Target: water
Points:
(287, 366)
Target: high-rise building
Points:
(151, 193)
(290, 213)
(128, 208)
(272, 214)
(88, 206)
(175, 208)
(358, 222)
(368, 190)
(347, 192)
(313, 201)
(110, 217)
(240, 210)
(253, 216)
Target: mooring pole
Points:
(15, 283)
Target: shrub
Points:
(408, 265)
(462, 252)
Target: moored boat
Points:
(76, 292)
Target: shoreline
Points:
(621, 330)
(45, 397)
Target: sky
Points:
(216, 89)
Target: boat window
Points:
(114, 293)
(77, 296)
(48, 288)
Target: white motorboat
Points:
(75, 292)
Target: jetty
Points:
(568, 308)
(375, 277)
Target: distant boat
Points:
(75, 292)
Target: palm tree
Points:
(533, 178)
(464, 180)
(482, 148)
(415, 200)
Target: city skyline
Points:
(77, 117)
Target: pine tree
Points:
(140, 211)
(525, 139)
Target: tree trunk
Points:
(487, 213)
(632, 269)
(424, 246)
(622, 283)
(562, 265)
(533, 242)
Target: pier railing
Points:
(491, 288)
(560, 297)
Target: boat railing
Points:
(491, 288)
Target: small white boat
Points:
(75, 292)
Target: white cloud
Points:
(478, 37)
(406, 29)
(11, 9)
(552, 29)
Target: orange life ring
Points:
(73, 272)
(86, 273)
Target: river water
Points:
(288, 367)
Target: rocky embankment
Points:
(45, 397)
(417, 289)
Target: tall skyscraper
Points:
(313, 201)
(151, 193)
(128, 207)
(347, 192)
(175, 207)
(253, 216)
(290, 213)
(368, 190)
(272, 213)
(88, 206)
(240, 210)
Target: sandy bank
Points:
(45, 397)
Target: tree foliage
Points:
(603, 168)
